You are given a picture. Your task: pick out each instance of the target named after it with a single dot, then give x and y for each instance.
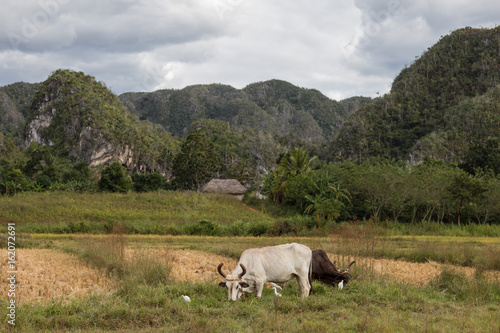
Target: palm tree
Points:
(292, 164)
(330, 198)
(295, 162)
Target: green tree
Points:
(195, 163)
(428, 193)
(330, 199)
(114, 178)
(295, 162)
(225, 143)
(482, 155)
(291, 165)
(465, 190)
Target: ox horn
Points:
(242, 273)
(219, 269)
(349, 266)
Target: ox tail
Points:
(310, 277)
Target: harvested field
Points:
(45, 274)
(190, 265)
(414, 273)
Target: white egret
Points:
(276, 286)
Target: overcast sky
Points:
(340, 47)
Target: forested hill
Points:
(294, 116)
(443, 105)
(15, 100)
(81, 119)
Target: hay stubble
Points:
(44, 274)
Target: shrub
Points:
(203, 228)
(148, 182)
(44, 181)
(114, 178)
(258, 229)
(77, 227)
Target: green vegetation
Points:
(114, 179)
(386, 190)
(15, 100)
(145, 213)
(439, 106)
(188, 213)
(195, 163)
(412, 176)
(428, 151)
(451, 302)
(85, 116)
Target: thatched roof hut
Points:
(225, 186)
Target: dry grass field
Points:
(134, 283)
(46, 274)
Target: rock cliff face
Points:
(82, 119)
(96, 150)
(36, 126)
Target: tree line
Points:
(385, 189)
(381, 188)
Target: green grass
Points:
(145, 213)
(190, 213)
(370, 306)
(148, 300)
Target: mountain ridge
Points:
(426, 114)
(459, 67)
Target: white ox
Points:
(277, 264)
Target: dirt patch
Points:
(44, 274)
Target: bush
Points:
(114, 179)
(203, 228)
(44, 181)
(81, 227)
(148, 182)
(258, 229)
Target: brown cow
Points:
(325, 271)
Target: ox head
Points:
(346, 276)
(233, 283)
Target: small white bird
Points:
(186, 298)
(276, 286)
(341, 285)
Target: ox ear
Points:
(222, 284)
(243, 284)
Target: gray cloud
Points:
(341, 48)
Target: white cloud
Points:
(341, 48)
